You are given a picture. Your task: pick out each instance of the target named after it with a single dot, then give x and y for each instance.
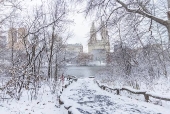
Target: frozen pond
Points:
(83, 71)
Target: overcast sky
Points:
(81, 30)
(80, 27)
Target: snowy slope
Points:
(44, 104)
(85, 97)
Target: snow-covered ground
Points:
(85, 97)
(160, 88)
(46, 103)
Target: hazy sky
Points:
(81, 26)
(81, 30)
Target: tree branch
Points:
(138, 11)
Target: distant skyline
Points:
(81, 30)
(81, 26)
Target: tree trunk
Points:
(51, 54)
(168, 1)
(168, 28)
(56, 68)
(168, 13)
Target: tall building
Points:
(92, 34)
(98, 49)
(75, 48)
(16, 38)
(94, 43)
(2, 40)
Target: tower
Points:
(92, 33)
(104, 32)
(15, 38)
(99, 48)
(12, 37)
(94, 43)
(21, 35)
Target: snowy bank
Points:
(84, 96)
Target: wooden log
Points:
(67, 107)
(91, 77)
(158, 97)
(75, 79)
(135, 92)
(69, 112)
(66, 86)
(104, 87)
(60, 102)
(118, 91)
(146, 97)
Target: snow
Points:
(134, 90)
(85, 97)
(74, 110)
(45, 103)
(160, 91)
(81, 97)
(158, 95)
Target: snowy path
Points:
(85, 97)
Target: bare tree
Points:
(41, 44)
(141, 25)
(134, 12)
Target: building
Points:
(16, 38)
(2, 42)
(99, 49)
(75, 48)
(99, 55)
(94, 43)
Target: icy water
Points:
(83, 71)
